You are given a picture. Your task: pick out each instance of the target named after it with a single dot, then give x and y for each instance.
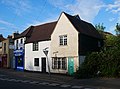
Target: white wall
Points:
(64, 27)
(30, 55)
(19, 44)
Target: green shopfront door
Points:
(70, 65)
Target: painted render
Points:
(64, 27)
(19, 44)
(30, 55)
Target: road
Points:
(12, 82)
(11, 79)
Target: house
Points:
(67, 41)
(38, 42)
(71, 40)
(1, 39)
(19, 41)
(7, 52)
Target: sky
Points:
(18, 15)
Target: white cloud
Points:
(115, 7)
(8, 24)
(2, 28)
(87, 9)
(111, 19)
(19, 6)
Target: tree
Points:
(100, 27)
(117, 29)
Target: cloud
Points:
(2, 28)
(19, 6)
(8, 24)
(111, 19)
(87, 9)
(115, 7)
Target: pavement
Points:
(97, 83)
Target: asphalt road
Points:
(19, 85)
(11, 79)
(10, 82)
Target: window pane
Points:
(55, 63)
(35, 46)
(59, 63)
(36, 62)
(63, 63)
(61, 40)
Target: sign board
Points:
(18, 52)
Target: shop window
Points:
(20, 61)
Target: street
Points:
(10, 83)
(11, 79)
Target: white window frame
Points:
(59, 63)
(63, 40)
(35, 46)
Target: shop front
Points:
(19, 59)
(4, 60)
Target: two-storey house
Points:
(38, 43)
(67, 40)
(19, 41)
(1, 39)
(7, 52)
(71, 39)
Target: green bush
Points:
(106, 61)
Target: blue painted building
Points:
(19, 50)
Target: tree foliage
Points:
(117, 29)
(105, 63)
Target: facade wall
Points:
(30, 55)
(19, 53)
(64, 27)
(5, 54)
(19, 43)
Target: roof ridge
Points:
(46, 23)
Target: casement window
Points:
(59, 63)
(16, 44)
(4, 47)
(63, 40)
(36, 61)
(21, 41)
(35, 46)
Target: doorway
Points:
(71, 65)
(43, 64)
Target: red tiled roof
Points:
(83, 27)
(42, 32)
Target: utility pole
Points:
(45, 51)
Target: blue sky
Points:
(17, 15)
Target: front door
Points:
(70, 65)
(43, 64)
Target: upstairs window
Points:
(35, 46)
(4, 47)
(63, 40)
(16, 44)
(21, 41)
